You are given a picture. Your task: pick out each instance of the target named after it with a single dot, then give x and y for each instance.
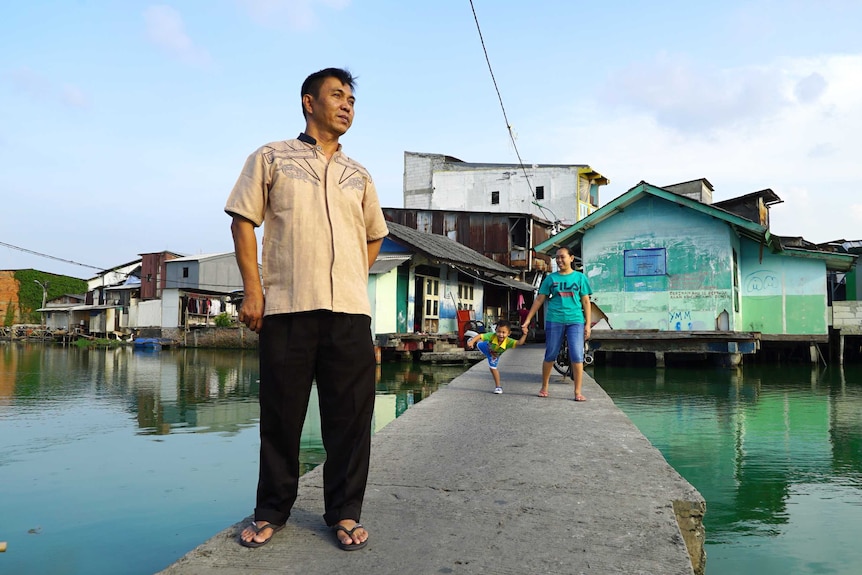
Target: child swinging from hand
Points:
(493, 345)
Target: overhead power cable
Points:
(50, 257)
(506, 118)
(20, 249)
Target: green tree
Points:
(30, 292)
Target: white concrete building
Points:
(562, 194)
(198, 288)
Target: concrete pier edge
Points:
(471, 482)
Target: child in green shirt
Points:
(493, 345)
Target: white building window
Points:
(432, 298)
(583, 211)
(465, 296)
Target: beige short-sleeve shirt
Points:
(318, 218)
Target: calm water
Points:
(776, 452)
(121, 461)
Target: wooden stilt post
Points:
(841, 349)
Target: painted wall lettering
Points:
(697, 294)
(761, 281)
(691, 281)
(678, 319)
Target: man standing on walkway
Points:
(324, 229)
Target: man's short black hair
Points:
(313, 83)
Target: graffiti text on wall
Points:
(677, 319)
(696, 294)
(761, 281)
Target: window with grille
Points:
(432, 298)
(465, 296)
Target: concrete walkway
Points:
(471, 482)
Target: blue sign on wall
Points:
(648, 262)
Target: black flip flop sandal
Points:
(349, 546)
(257, 529)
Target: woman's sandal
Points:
(580, 397)
(543, 393)
(257, 529)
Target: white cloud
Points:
(30, 82)
(693, 99)
(822, 150)
(74, 97)
(804, 147)
(40, 87)
(165, 29)
(810, 88)
(689, 98)
(296, 14)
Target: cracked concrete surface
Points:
(471, 482)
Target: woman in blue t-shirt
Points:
(568, 295)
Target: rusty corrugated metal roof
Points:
(445, 250)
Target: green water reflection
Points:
(121, 461)
(775, 450)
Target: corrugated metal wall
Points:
(488, 234)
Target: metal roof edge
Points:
(751, 229)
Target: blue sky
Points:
(124, 124)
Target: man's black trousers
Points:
(336, 351)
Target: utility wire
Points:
(20, 249)
(126, 274)
(506, 118)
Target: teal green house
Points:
(669, 259)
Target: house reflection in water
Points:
(189, 390)
(201, 391)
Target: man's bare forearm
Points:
(373, 250)
(245, 245)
